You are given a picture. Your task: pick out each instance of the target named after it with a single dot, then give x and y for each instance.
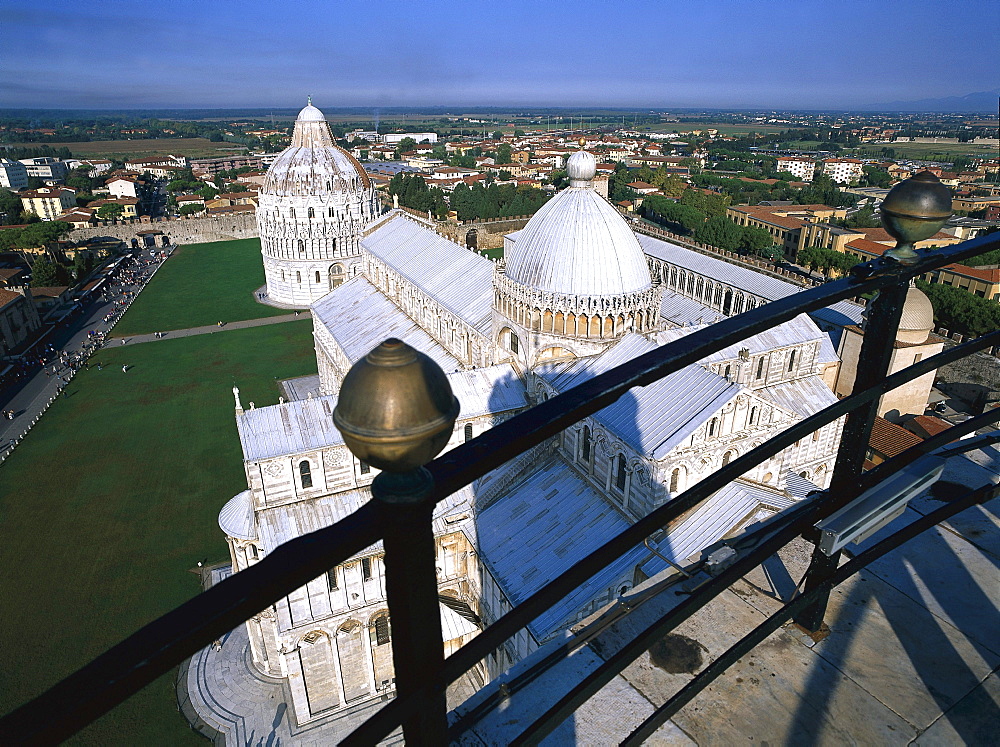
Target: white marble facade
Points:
(508, 336)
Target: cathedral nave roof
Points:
(652, 419)
(359, 316)
(457, 278)
(683, 311)
(796, 331)
(805, 396)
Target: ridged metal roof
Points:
(359, 317)
(655, 418)
(543, 526)
(805, 396)
(712, 520)
(458, 279)
(307, 424)
(743, 278)
(289, 428)
(796, 331)
(678, 309)
(578, 244)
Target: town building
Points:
(48, 203)
(19, 319)
(45, 168)
(802, 168)
(13, 175)
(578, 293)
(843, 170)
(312, 207)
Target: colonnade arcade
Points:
(595, 318)
(715, 294)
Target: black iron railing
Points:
(164, 643)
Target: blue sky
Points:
(671, 53)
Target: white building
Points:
(843, 170)
(395, 138)
(45, 168)
(803, 168)
(314, 202)
(576, 296)
(13, 175)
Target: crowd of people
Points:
(62, 364)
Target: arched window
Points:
(311, 214)
(620, 472)
(791, 361)
(726, 372)
(760, 368)
(585, 444)
(282, 276)
(305, 474)
(712, 425)
(815, 435)
(317, 277)
(468, 431)
(365, 468)
(726, 458)
(333, 244)
(291, 212)
(675, 480)
(332, 212)
(381, 632)
(298, 276)
(513, 342)
(301, 246)
(753, 416)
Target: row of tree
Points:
(702, 217)
(33, 235)
(960, 311)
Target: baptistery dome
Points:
(314, 202)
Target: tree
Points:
(10, 207)
(504, 153)
(83, 263)
(755, 241)
(45, 273)
(208, 192)
(110, 211)
(719, 231)
(497, 135)
(504, 175)
(518, 133)
(877, 177)
(407, 144)
(191, 209)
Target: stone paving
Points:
(209, 329)
(301, 387)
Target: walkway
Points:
(208, 330)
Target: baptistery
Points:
(314, 202)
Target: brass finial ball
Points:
(916, 209)
(396, 409)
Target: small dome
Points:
(581, 167)
(310, 114)
(918, 317)
(236, 517)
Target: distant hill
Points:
(983, 101)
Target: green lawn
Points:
(201, 284)
(114, 496)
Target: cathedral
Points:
(577, 293)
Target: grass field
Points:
(114, 496)
(192, 147)
(722, 127)
(201, 284)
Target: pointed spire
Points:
(309, 100)
(236, 396)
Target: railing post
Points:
(913, 210)
(396, 412)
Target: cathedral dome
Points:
(578, 244)
(313, 164)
